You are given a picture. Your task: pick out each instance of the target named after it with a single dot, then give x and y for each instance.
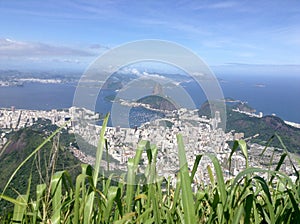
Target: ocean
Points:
(38, 96)
(268, 94)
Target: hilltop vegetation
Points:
(20, 146)
(263, 128)
(158, 102)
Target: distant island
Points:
(259, 85)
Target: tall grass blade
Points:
(91, 196)
(132, 171)
(264, 186)
(285, 149)
(249, 170)
(238, 215)
(220, 178)
(176, 194)
(239, 144)
(187, 194)
(126, 218)
(296, 212)
(12, 200)
(248, 208)
(32, 154)
(100, 148)
(4, 147)
(195, 166)
(20, 209)
(79, 187)
(40, 191)
(267, 145)
(211, 176)
(113, 191)
(56, 195)
(280, 162)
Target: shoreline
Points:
(293, 124)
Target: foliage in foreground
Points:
(53, 156)
(248, 198)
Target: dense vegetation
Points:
(93, 198)
(158, 102)
(263, 128)
(52, 157)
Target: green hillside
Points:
(158, 102)
(264, 128)
(53, 154)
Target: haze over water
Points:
(268, 94)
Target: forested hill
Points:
(158, 102)
(264, 128)
(21, 144)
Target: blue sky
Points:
(225, 34)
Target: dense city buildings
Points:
(201, 136)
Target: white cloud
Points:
(178, 26)
(12, 48)
(156, 76)
(144, 74)
(214, 5)
(223, 5)
(288, 35)
(135, 71)
(99, 46)
(67, 60)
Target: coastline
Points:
(48, 96)
(293, 124)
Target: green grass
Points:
(94, 198)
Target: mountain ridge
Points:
(263, 128)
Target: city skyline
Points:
(228, 35)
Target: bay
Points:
(266, 93)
